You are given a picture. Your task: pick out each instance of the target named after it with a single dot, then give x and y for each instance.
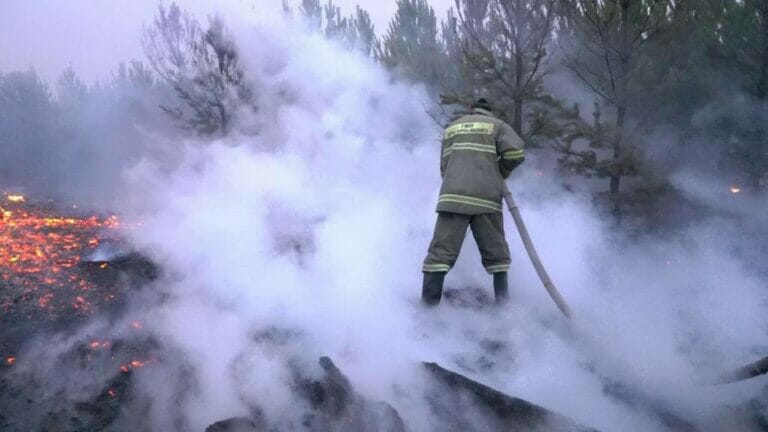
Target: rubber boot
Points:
(500, 288)
(432, 289)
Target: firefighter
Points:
(478, 152)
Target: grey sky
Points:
(95, 35)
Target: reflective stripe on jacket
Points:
(478, 152)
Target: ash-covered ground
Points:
(68, 282)
(62, 269)
(76, 358)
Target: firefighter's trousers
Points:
(450, 229)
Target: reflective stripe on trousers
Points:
(450, 230)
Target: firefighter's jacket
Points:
(479, 151)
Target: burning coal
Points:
(40, 250)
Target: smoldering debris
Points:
(47, 284)
(238, 424)
(92, 387)
(46, 266)
(466, 405)
(99, 384)
(460, 403)
(50, 292)
(89, 387)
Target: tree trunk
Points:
(616, 174)
(223, 118)
(762, 83)
(596, 118)
(518, 119)
(762, 90)
(621, 111)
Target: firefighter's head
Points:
(484, 104)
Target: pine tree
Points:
(355, 31)
(411, 46)
(360, 33)
(202, 66)
(29, 123)
(506, 43)
(602, 42)
(71, 92)
(744, 36)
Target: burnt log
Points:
(333, 404)
(462, 404)
(238, 424)
(97, 414)
(337, 407)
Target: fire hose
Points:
(533, 255)
(749, 371)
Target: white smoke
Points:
(318, 224)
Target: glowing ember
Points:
(136, 325)
(96, 345)
(10, 361)
(15, 198)
(134, 364)
(112, 392)
(735, 189)
(39, 255)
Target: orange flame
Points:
(10, 361)
(735, 189)
(15, 198)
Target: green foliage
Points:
(708, 68)
(28, 121)
(71, 91)
(360, 32)
(202, 66)
(694, 72)
(744, 35)
(135, 74)
(605, 40)
(355, 31)
(411, 45)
